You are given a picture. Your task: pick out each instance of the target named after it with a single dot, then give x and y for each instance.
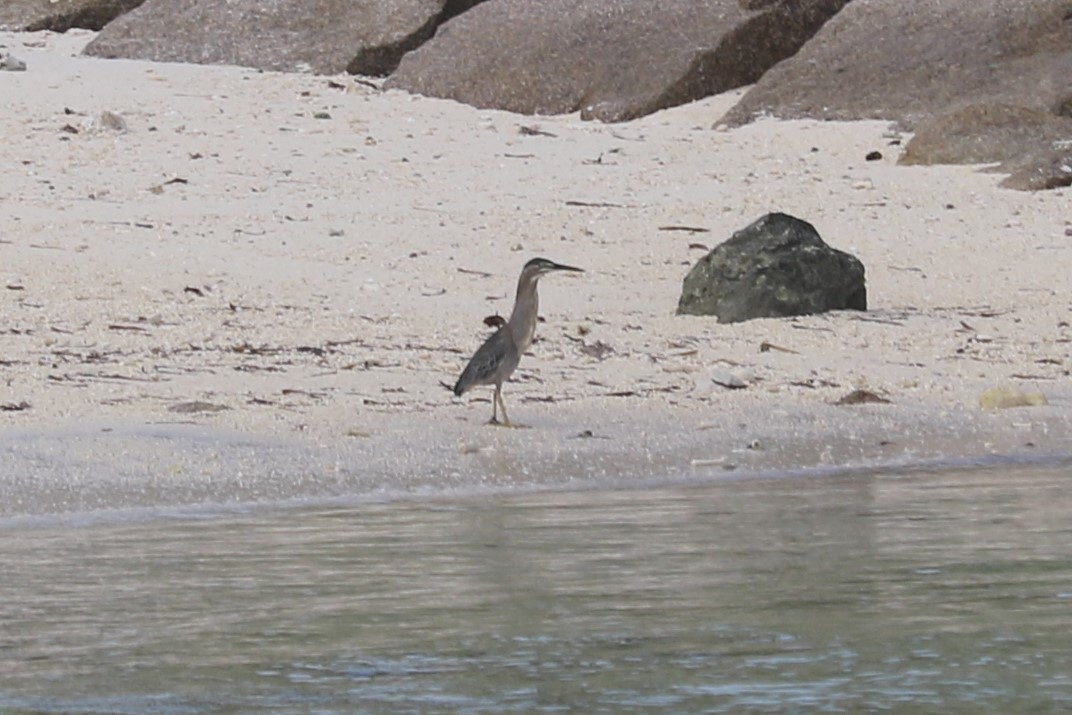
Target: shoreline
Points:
(298, 266)
(185, 468)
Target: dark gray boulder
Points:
(607, 59)
(326, 37)
(775, 267)
(887, 59)
(34, 15)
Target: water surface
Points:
(943, 592)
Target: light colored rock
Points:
(61, 15)
(609, 60)
(11, 63)
(1000, 398)
(888, 59)
(358, 36)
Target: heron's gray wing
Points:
(492, 363)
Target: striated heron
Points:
(498, 357)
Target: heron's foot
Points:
(506, 423)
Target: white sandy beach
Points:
(310, 257)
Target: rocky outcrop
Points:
(777, 266)
(982, 81)
(984, 134)
(1034, 146)
(33, 15)
(1040, 172)
(887, 59)
(986, 81)
(327, 37)
(608, 60)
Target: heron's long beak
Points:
(563, 267)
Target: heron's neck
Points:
(523, 317)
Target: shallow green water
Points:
(931, 592)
